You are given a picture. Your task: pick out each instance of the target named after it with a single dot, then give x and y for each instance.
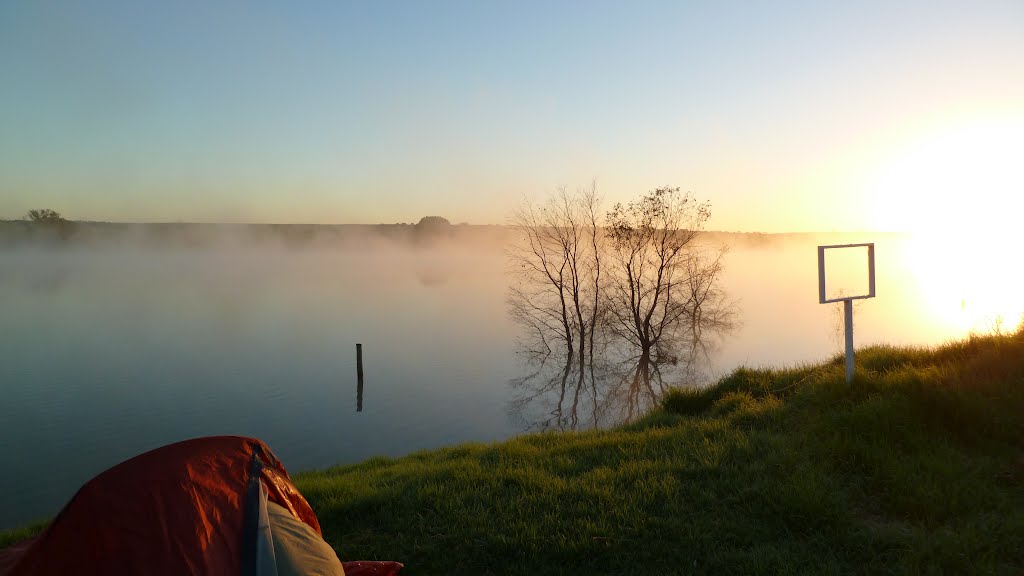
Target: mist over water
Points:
(108, 350)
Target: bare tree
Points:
(664, 289)
(623, 302)
(557, 265)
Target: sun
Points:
(965, 177)
(959, 191)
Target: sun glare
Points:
(964, 178)
(957, 191)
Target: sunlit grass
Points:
(918, 467)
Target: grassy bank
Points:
(916, 468)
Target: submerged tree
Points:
(664, 289)
(636, 290)
(557, 265)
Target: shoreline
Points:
(917, 466)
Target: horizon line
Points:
(412, 224)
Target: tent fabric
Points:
(11, 554)
(180, 509)
(266, 560)
(298, 550)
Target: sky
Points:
(786, 116)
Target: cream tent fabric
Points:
(298, 549)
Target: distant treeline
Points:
(197, 235)
(428, 232)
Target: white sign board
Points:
(838, 263)
(844, 260)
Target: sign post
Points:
(847, 300)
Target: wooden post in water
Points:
(359, 377)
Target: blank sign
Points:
(846, 272)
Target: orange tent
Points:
(203, 506)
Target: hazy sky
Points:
(786, 115)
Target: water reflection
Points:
(564, 393)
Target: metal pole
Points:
(848, 320)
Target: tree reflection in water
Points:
(556, 394)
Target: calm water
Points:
(108, 353)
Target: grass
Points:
(918, 468)
(8, 537)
